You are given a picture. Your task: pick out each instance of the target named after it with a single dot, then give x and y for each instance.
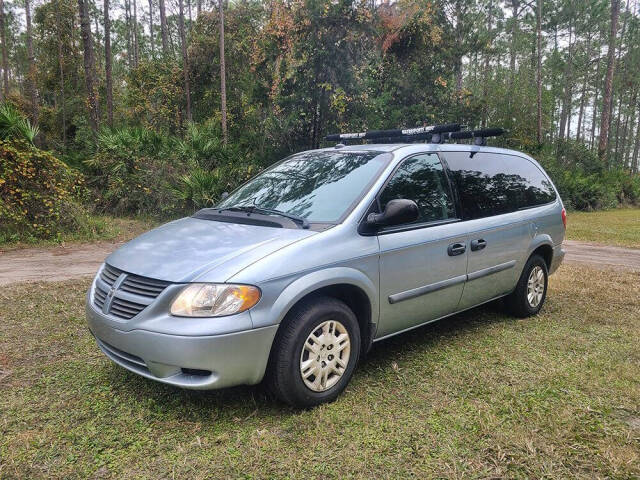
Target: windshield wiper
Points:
(304, 223)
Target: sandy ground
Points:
(79, 260)
(605, 256)
(53, 264)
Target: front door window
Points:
(422, 179)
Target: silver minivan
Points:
(294, 275)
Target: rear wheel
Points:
(531, 291)
(315, 353)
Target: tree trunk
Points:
(608, 84)
(625, 129)
(107, 63)
(569, 116)
(127, 17)
(5, 57)
(583, 94)
(458, 59)
(61, 68)
(223, 81)
(31, 75)
(163, 28)
(172, 47)
(539, 71)
(485, 68)
(568, 86)
(636, 150)
(623, 74)
(151, 41)
(618, 116)
(136, 49)
(185, 59)
(515, 4)
(89, 66)
(594, 111)
(97, 40)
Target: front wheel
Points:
(531, 291)
(315, 353)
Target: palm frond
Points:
(14, 125)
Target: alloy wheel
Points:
(535, 286)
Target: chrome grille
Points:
(132, 295)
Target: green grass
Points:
(613, 227)
(480, 395)
(97, 228)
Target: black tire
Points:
(517, 302)
(284, 379)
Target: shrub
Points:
(139, 171)
(133, 173)
(202, 188)
(39, 194)
(582, 180)
(577, 156)
(202, 146)
(628, 187)
(587, 192)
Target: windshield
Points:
(319, 186)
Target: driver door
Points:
(423, 264)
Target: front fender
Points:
(324, 278)
(273, 311)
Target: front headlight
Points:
(214, 300)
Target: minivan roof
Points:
(426, 147)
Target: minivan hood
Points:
(192, 249)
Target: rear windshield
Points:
(320, 186)
(491, 183)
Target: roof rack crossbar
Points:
(479, 136)
(396, 133)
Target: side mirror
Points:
(396, 212)
(224, 195)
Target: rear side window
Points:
(492, 184)
(422, 179)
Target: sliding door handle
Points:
(478, 244)
(456, 249)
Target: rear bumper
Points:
(558, 256)
(195, 362)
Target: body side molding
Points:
(491, 270)
(434, 287)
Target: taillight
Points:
(564, 218)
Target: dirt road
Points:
(604, 256)
(53, 264)
(75, 261)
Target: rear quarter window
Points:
(492, 184)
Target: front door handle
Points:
(478, 244)
(456, 249)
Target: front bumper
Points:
(558, 256)
(197, 362)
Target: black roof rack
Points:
(431, 134)
(479, 136)
(395, 133)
